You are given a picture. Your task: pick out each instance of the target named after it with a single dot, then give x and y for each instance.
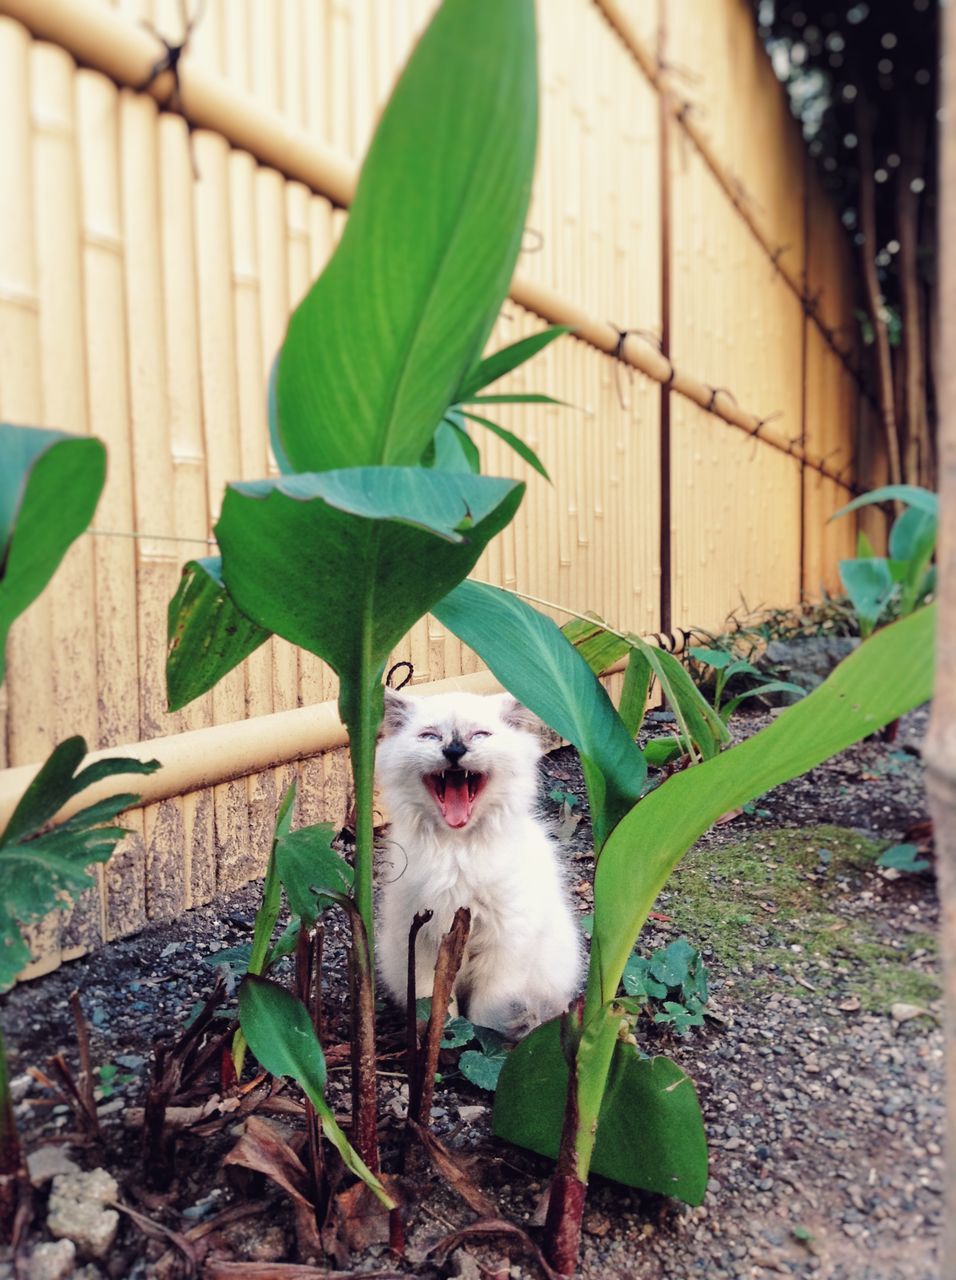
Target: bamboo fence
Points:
(154, 236)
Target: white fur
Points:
(522, 962)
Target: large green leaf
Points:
(913, 535)
(45, 869)
(345, 586)
(206, 634)
(311, 870)
(446, 504)
(279, 1031)
(870, 585)
(531, 658)
(698, 721)
(911, 494)
(377, 350)
(50, 483)
(888, 675)
(598, 647)
(650, 1131)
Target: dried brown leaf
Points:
(288, 1271)
(494, 1227)
(263, 1149)
(453, 1172)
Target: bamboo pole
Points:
(72, 676)
(271, 254)
(253, 459)
(101, 39)
(236, 860)
(940, 752)
(117, 670)
(29, 650)
(312, 679)
(152, 469)
(190, 508)
(30, 713)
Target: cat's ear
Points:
(517, 716)
(397, 711)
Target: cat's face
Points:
(454, 758)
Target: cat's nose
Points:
(454, 751)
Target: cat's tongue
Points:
(457, 802)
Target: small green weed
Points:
(111, 1078)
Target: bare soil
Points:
(819, 1068)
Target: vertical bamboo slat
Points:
(29, 705)
(163, 891)
(271, 255)
(188, 460)
(29, 649)
(236, 860)
(253, 458)
(60, 296)
(114, 558)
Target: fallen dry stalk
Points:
(450, 952)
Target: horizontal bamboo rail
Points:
(207, 757)
(678, 107)
(106, 41)
(199, 758)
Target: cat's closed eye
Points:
(480, 733)
(430, 735)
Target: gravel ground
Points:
(819, 1069)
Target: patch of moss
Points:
(786, 901)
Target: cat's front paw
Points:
(519, 1021)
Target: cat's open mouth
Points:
(455, 792)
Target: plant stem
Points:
(586, 1087)
(266, 917)
(362, 1000)
(411, 1022)
(361, 704)
(450, 952)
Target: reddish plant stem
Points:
(562, 1227)
(396, 1233)
(84, 1113)
(362, 999)
(85, 1082)
(411, 1021)
(450, 952)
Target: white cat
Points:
(458, 774)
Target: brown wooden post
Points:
(804, 343)
(941, 743)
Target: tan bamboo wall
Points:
(147, 272)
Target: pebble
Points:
(45, 1163)
(76, 1211)
(52, 1261)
